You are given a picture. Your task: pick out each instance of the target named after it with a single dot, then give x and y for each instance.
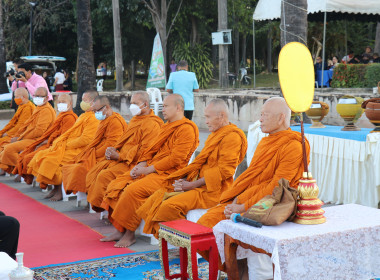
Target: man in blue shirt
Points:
(184, 83)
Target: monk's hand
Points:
(14, 139)
(178, 185)
(233, 208)
(112, 154)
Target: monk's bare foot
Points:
(58, 194)
(17, 179)
(50, 194)
(127, 240)
(113, 237)
(28, 179)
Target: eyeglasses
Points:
(100, 109)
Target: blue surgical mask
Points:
(99, 116)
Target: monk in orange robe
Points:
(46, 165)
(112, 126)
(23, 113)
(277, 156)
(42, 118)
(142, 130)
(198, 185)
(64, 121)
(178, 139)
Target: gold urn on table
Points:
(309, 210)
(318, 110)
(349, 108)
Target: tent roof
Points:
(271, 9)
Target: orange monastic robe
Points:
(64, 121)
(109, 131)
(46, 165)
(142, 131)
(224, 150)
(170, 152)
(23, 113)
(277, 156)
(42, 118)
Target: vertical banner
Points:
(157, 76)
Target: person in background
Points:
(59, 79)
(356, 60)
(68, 83)
(376, 58)
(318, 64)
(33, 81)
(346, 59)
(184, 83)
(15, 83)
(368, 52)
(334, 63)
(9, 233)
(173, 66)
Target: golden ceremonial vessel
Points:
(318, 110)
(296, 75)
(350, 109)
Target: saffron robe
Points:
(224, 150)
(171, 151)
(107, 134)
(64, 121)
(142, 131)
(46, 165)
(23, 113)
(41, 119)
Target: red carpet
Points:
(50, 237)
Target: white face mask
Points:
(38, 100)
(135, 109)
(62, 107)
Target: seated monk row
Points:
(65, 120)
(42, 118)
(170, 151)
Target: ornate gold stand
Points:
(309, 210)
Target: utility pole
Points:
(223, 49)
(117, 42)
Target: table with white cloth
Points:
(346, 247)
(346, 164)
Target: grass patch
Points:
(4, 105)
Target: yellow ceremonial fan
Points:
(296, 74)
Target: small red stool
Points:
(190, 237)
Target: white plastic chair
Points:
(65, 197)
(155, 99)
(99, 85)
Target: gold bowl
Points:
(318, 110)
(349, 108)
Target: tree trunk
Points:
(293, 21)
(237, 46)
(223, 49)
(133, 74)
(194, 31)
(3, 81)
(117, 42)
(86, 69)
(244, 49)
(269, 50)
(377, 39)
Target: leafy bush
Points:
(4, 105)
(349, 76)
(197, 57)
(372, 76)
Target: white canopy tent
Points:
(271, 9)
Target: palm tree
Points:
(86, 69)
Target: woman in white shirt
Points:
(59, 79)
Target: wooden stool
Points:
(190, 237)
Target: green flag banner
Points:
(157, 76)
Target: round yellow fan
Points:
(296, 75)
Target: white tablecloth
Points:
(347, 171)
(346, 247)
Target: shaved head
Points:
(65, 98)
(21, 92)
(275, 115)
(143, 97)
(103, 100)
(91, 94)
(216, 114)
(177, 99)
(173, 107)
